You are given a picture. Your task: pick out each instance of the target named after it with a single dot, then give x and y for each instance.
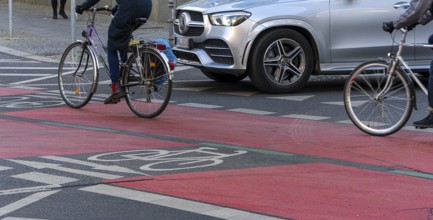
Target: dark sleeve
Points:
(88, 4)
(413, 14)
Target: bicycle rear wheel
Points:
(78, 75)
(375, 114)
(148, 94)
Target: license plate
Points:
(184, 43)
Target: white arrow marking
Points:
(25, 202)
(112, 168)
(40, 165)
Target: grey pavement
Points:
(36, 35)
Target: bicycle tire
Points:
(383, 115)
(148, 96)
(77, 82)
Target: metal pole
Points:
(171, 6)
(10, 18)
(73, 21)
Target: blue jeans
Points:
(113, 63)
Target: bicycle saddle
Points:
(139, 21)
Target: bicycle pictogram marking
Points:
(169, 160)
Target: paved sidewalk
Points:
(36, 35)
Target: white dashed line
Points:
(308, 117)
(198, 105)
(251, 111)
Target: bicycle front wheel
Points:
(78, 75)
(373, 107)
(148, 84)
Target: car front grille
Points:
(194, 30)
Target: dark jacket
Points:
(121, 26)
(418, 11)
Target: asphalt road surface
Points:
(219, 151)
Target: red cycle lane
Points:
(348, 174)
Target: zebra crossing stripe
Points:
(4, 168)
(198, 105)
(45, 178)
(251, 111)
(25, 202)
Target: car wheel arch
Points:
(273, 79)
(303, 31)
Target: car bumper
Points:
(217, 48)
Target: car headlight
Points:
(229, 18)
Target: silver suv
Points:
(280, 43)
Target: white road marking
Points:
(27, 68)
(45, 178)
(308, 117)
(24, 74)
(40, 165)
(241, 93)
(175, 203)
(19, 218)
(27, 88)
(292, 98)
(112, 168)
(193, 89)
(5, 168)
(198, 105)
(28, 189)
(25, 202)
(355, 103)
(182, 68)
(251, 111)
(34, 80)
(17, 61)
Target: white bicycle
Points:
(379, 95)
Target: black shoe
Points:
(114, 98)
(427, 122)
(54, 16)
(63, 14)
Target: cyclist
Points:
(419, 12)
(119, 33)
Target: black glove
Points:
(412, 26)
(79, 9)
(388, 26)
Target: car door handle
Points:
(401, 5)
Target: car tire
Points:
(272, 71)
(219, 77)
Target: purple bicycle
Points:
(146, 77)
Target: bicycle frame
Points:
(398, 60)
(93, 44)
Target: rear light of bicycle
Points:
(161, 47)
(171, 64)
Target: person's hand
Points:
(79, 9)
(388, 26)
